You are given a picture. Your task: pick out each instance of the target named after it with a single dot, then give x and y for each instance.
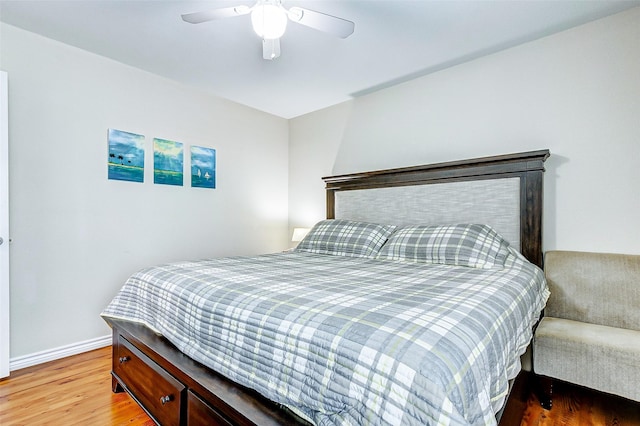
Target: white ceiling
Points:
(394, 41)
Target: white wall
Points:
(76, 235)
(317, 139)
(576, 93)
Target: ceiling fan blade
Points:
(210, 15)
(270, 48)
(321, 21)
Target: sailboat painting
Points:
(168, 162)
(203, 167)
(126, 156)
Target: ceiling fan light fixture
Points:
(269, 21)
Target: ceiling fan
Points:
(269, 19)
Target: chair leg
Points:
(544, 391)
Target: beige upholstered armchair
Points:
(590, 332)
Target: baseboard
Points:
(60, 352)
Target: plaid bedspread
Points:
(349, 341)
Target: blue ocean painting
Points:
(126, 156)
(203, 167)
(168, 162)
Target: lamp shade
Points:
(269, 21)
(299, 234)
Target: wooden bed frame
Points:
(176, 390)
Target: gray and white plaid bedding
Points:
(346, 340)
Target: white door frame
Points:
(4, 226)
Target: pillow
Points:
(345, 238)
(477, 246)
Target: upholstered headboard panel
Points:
(494, 202)
(502, 191)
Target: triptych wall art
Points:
(126, 161)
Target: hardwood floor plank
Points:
(578, 406)
(73, 390)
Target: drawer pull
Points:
(165, 399)
(123, 359)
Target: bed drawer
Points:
(156, 390)
(201, 414)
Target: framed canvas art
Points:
(126, 156)
(203, 167)
(168, 162)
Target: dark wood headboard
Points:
(527, 166)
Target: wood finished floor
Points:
(573, 405)
(70, 391)
(77, 391)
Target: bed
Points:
(410, 304)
